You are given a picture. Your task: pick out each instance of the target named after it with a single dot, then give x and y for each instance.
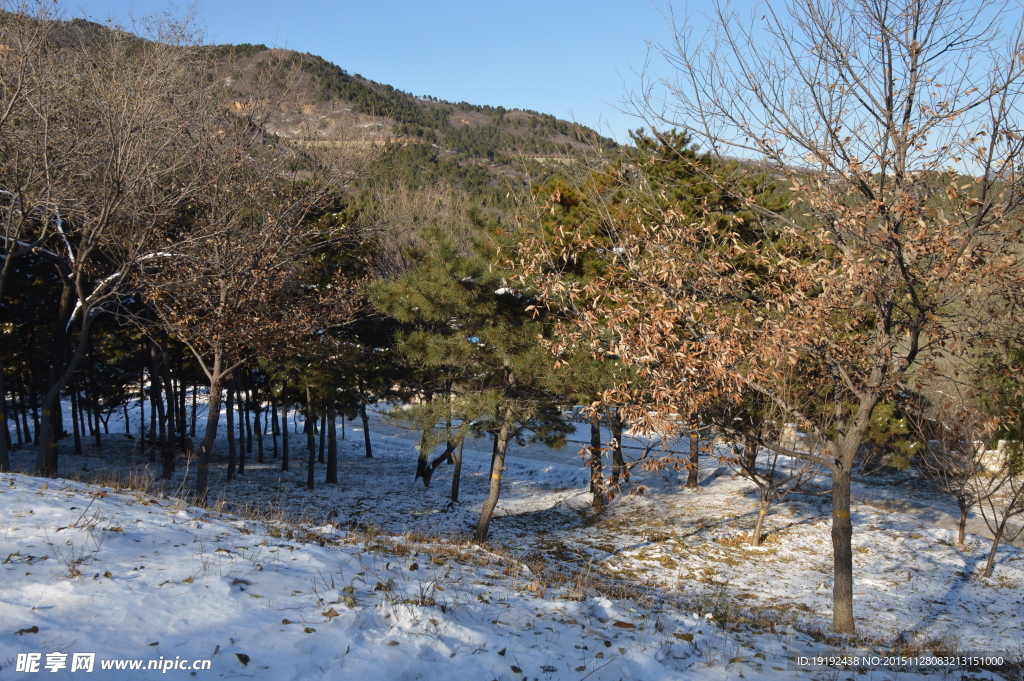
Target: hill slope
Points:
(428, 139)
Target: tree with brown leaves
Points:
(894, 126)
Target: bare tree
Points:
(234, 287)
(1000, 494)
(97, 181)
(24, 71)
(759, 441)
(953, 455)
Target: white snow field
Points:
(375, 578)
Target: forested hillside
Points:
(222, 263)
(476, 148)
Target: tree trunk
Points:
(757, 539)
(428, 470)
(422, 460)
(24, 413)
(153, 429)
(366, 428)
(94, 397)
(5, 436)
(323, 438)
(17, 421)
(310, 439)
(620, 474)
(241, 428)
(229, 412)
(991, 562)
(142, 409)
(284, 427)
(15, 403)
(332, 441)
(182, 397)
(961, 536)
(209, 437)
(248, 415)
(275, 430)
(192, 425)
(76, 429)
(32, 389)
(457, 473)
(46, 457)
(80, 417)
(596, 465)
(497, 468)
(257, 423)
(694, 461)
(156, 390)
(748, 464)
(842, 553)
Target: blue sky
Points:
(570, 58)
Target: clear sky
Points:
(573, 59)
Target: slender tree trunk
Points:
(154, 430)
(248, 415)
(310, 439)
(497, 468)
(229, 412)
(169, 397)
(694, 461)
(241, 426)
(423, 459)
(26, 431)
(209, 437)
(79, 415)
(343, 419)
(32, 388)
(457, 473)
(991, 562)
(23, 392)
(620, 474)
(192, 425)
(274, 430)
(332, 441)
(5, 436)
(76, 429)
(142, 408)
(156, 390)
(961, 536)
(596, 464)
(182, 397)
(758, 537)
(17, 422)
(323, 438)
(257, 422)
(366, 428)
(448, 444)
(284, 427)
(36, 417)
(94, 397)
(241, 446)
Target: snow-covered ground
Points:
(375, 578)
